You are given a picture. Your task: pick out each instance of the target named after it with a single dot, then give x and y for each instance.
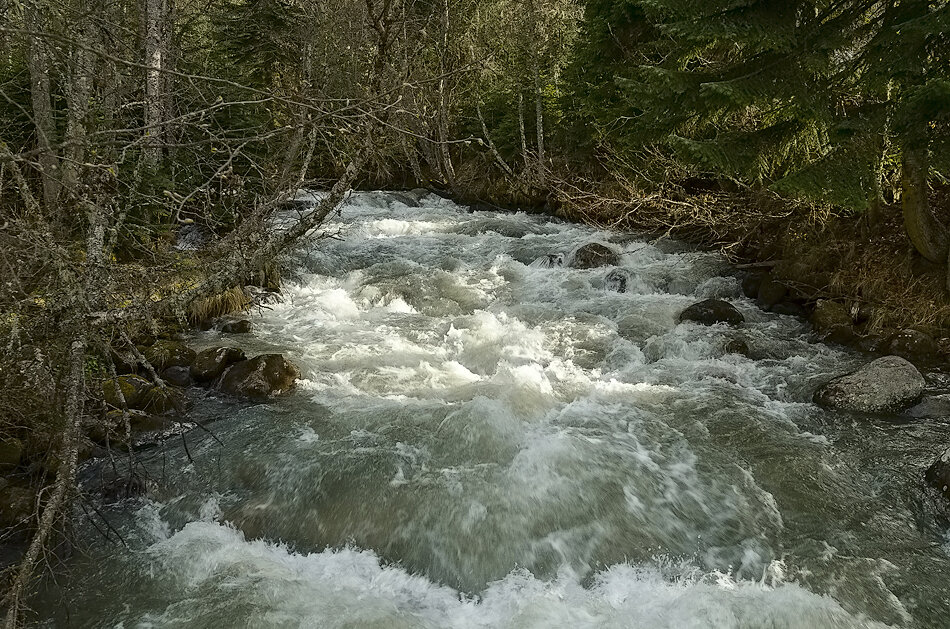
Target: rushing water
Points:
(484, 439)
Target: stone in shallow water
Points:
(260, 377)
(593, 255)
(211, 363)
(913, 345)
(712, 311)
(617, 280)
(885, 385)
(242, 326)
(938, 475)
(934, 407)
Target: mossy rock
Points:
(260, 377)
(167, 400)
(11, 453)
(133, 390)
(165, 354)
(211, 363)
(16, 505)
(829, 315)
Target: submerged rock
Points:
(938, 474)
(260, 377)
(211, 363)
(617, 280)
(888, 384)
(593, 255)
(165, 354)
(712, 311)
(913, 345)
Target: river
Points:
(482, 438)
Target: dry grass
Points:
(230, 301)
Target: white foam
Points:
(211, 572)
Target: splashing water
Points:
(484, 437)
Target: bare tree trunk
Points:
(40, 69)
(444, 152)
(521, 133)
(155, 64)
(78, 94)
(926, 233)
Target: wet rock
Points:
(712, 311)
(771, 292)
(617, 280)
(16, 505)
(871, 343)
(737, 346)
(165, 354)
(829, 315)
(593, 255)
(936, 407)
(913, 345)
(260, 377)
(167, 400)
(938, 474)
(790, 308)
(888, 384)
(242, 326)
(112, 430)
(178, 376)
(211, 363)
(11, 452)
(405, 198)
(751, 284)
(133, 390)
(841, 335)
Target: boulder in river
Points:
(211, 363)
(241, 326)
(913, 345)
(712, 311)
(771, 292)
(885, 385)
(260, 377)
(593, 255)
(751, 284)
(178, 376)
(165, 354)
(160, 400)
(938, 474)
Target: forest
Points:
(807, 137)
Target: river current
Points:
(483, 437)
